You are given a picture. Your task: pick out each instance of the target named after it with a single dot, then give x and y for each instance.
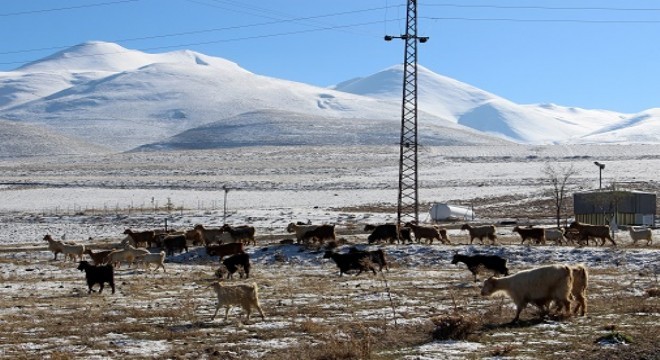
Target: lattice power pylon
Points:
(408, 204)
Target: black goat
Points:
(375, 256)
(173, 243)
(360, 261)
(387, 232)
(476, 262)
(98, 275)
(232, 264)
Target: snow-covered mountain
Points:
(125, 103)
(464, 104)
(104, 94)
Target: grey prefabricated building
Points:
(630, 207)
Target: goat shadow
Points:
(515, 325)
(215, 324)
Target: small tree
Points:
(559, 177)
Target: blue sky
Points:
(590, 54)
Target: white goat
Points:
(539, 286)
(640, 234)
(245, 296)
(153, 258)
(128, 254)
(554, 234)
(75, 252)
(580, 276)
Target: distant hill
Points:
(284, 128)
(18, 139)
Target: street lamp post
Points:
(600, 174)
(224, 213)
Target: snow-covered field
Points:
(46, 311)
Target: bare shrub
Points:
(653, 292)
(455, 327)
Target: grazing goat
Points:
(481, 232)
(538, 286)
(640, 234)
(320, 234)
(536, 234)
(245, 296)
(144, 238)
(98, 275)
(428, 232)
(153, 258)
(233, 263)
(387, 232)
(593, 231)
(173, 243)
(243, 233)
(98, 257)
(128, 255)
(476, 262)
(223, 250)
(375, 256)
(209, 235)
(360, 261)
(55, 246)
(300, 230)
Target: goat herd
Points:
(558, 285)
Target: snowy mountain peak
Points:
(90, 56)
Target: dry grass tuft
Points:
(455, 327)
(653, 292)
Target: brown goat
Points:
(223, 250)
(480, 232)
(243, 233)
(209, 235)
(428, 232)
(320, 234)
(98, 257)
(587, 231)
(144, 238)
(536, 234)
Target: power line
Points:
(194, 32)
(533, 7)
(28, 12)
(583, 21)
(225, 40)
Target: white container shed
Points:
(440, 212)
